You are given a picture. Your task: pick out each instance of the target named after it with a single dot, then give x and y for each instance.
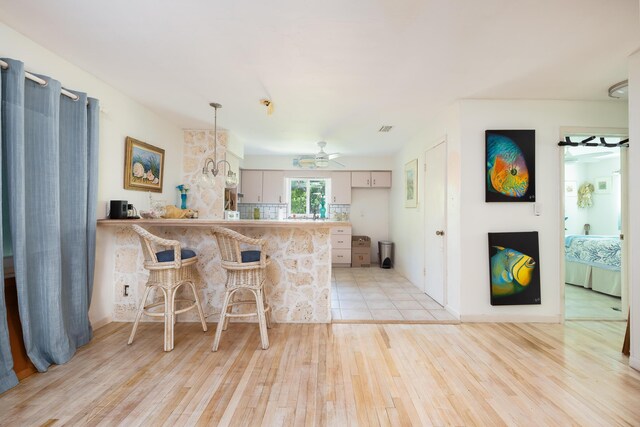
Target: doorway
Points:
(594, 218)
(435, 191)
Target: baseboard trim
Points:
(634, 362)
(101, 322)
(452, 312)
(509, 318)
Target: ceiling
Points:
(335, 70)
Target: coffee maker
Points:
(118, 209)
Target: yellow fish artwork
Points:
(511, 271)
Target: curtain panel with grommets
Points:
(50, 171)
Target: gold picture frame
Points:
(143, 166)
(411, 184)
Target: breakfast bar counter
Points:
(299, 283)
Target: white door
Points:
(435, 186)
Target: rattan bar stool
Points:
(169, 269)
(246, 271)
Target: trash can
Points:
(385, 253)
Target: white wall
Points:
(479, 218)
(407, 224)
(286, 162)
(576, 217)
(603, 215)
(634, 207)
(370, 216)
(120, 117)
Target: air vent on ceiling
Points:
(385, 129)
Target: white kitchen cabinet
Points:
(360, 179)
(381, 179)
(341, 246)
(251, 182)
(273, 187)
(340, 188)
(377, 179)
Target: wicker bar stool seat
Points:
(246, 271)
(169, 269)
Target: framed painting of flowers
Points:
(143, 166)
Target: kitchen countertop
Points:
(200, 222)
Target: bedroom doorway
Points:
(595, 194)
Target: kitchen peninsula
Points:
(300, 271)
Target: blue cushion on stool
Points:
(166, 256)
(250, 256)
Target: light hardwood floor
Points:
(340, 374)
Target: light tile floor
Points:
(376, 294)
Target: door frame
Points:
(445, 276)
(624, 209)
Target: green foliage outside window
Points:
(306, 195)
(299, 196)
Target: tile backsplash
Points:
(270, 211)
(339, 209)
(267, 211)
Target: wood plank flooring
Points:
(338, 375)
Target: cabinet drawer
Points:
(341, 230)
(341, 256)
(341, 241)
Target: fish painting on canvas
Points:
(514, 268)
(511, 271)
(510, 166)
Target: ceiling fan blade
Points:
(333, 156)
(336, 164)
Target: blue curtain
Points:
(8, 377)
(50, 143)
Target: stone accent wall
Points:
(198, 145)
(299, 283)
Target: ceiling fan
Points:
(320, 160)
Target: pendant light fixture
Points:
(211, 166)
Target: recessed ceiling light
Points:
(385, 128)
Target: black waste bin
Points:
(385, 253)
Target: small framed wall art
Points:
(514, 266)
(510, 165)
(143, 166)
(411, 184)
(603, 185)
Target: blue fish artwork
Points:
(507, 171)
(511, 271)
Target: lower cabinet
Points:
(341, 246)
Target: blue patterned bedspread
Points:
(597, 251)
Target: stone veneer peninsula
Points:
(299, 283)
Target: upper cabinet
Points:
(251, 182)
(262, 186)
(273, 187)
(380, 179)
(361, 179)
(340, 188)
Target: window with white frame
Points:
(305, 195)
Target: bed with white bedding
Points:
(594, 262)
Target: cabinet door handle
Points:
(258, 198)
(368, 182)
(374, 182)
(334, 199)
(280, 199)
